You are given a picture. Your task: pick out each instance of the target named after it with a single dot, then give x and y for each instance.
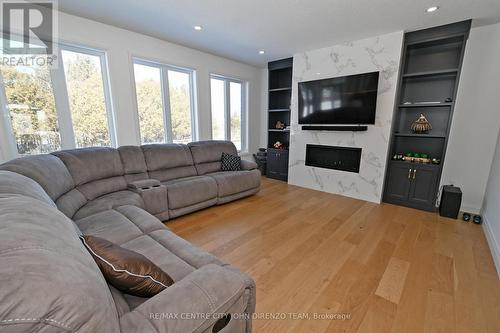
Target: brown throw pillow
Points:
(126, 270)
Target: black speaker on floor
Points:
(451, 199)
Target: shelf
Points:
(416, 163)
(424, 105)
(451, 38)
(278, 130)
(280, 89)
(279, 110)
(431, 73)
(413, 135)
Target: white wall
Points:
(381, 54)
(476, 118)
(121, 45)
(491, 208)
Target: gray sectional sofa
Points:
(50, 283)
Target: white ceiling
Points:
(238, 29)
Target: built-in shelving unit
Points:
(280, 96)
(428, 82)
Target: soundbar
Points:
(357, 128)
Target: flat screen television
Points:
(341, 100)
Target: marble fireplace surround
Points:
(381, 53)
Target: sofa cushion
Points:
(127, 270)
(49, 282)
(12, 183)
(207, 154)
(190, 191)
(232, 182)
(88, 164)
(137, 230)
(97, 188)
(120, 225)
(47, 170)
(168, 161)
(69, 203)
(109, 201)
(132, 159)
(182, 249)
(134, 164)
(160, 256)
(166, 156)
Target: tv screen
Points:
(340, 100)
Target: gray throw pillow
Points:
(230, 162)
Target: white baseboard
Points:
(493, 244)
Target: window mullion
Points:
(193, 108)
(107, 100)
(227, 110)
(165, 93)
(243, 116)
(10, 149)
(61, 100)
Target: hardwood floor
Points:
(393, 269)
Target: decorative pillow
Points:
(126, 270)
(230, 162)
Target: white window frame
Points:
(165, 96)
(61, 100)
(227, 109)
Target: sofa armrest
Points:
(143, 184)
(248, 165)
(195, 303)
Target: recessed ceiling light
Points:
(262, 52)
(432, 9)
(197, 27)
(318, 73)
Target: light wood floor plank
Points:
(392, 282)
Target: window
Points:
(164, 102)
(228, 105)
(52, 109)
(31, 107)
(86, 84)
(149, 103)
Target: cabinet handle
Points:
(409, 174)
(414, 173)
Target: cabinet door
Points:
(398, 184)
(277, 164)
(424, 186)
(283, 162)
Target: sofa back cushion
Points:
(207, 154)
(168, 161)
(49, 281)
(96, 171)
(69, 203)
(47, 170)
(15, 184)
(88, 164)
(134, 164)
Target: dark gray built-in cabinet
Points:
(428, 83)
(280, 97)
